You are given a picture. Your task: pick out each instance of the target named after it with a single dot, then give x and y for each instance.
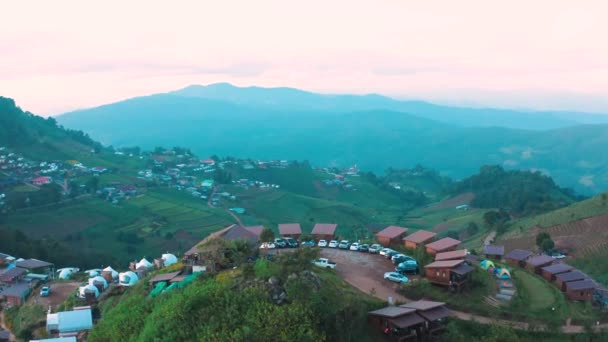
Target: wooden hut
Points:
(444, 245)
(563, 278)
(549, 272)
(581, 290)
(324, 231)
(397, 322)
(493, 252)
(434, 314)
(292, 230)
(391, 235)
(451, 273)
(536, 263)
(453, 255)
(418, 238)
(518, 257)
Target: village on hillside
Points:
(400, 259)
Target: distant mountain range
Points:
(372, 131)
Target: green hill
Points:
(366, 131)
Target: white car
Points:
(397, 256)
(333, 244)
(268, 245)
(322, 243)
(395, 277)
(354, 246)
(384, 251)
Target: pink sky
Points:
(61, 55)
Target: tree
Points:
(267, 235)
(544, 242)
(92, 184)
(472, 228)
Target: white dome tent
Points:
(169, 259)
(128, 278)
(66, 273)
(99, 280)
(112, 271)
(93, 273)
(144, 263)
(83, 290)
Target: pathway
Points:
(488, 240)
(236, 218)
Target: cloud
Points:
(587, 181)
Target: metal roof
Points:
(540, 260)
(571, 276)
(435, 313)
(392, 232)
(392, 311)
(422, 305)
(557, 268)
(324, 229)
(585, 284)
(518, 254)
(10, 275)
(289, 228)
(443, 244)
(74, 321)
(459, 254)
(33, 263)
(420, 236)
(444, 264)
(462, 269)
(493, 250)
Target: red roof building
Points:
(292, 230)
(324, 231)
(444, 245)
(418, 238)
(41, 180)
(453, 255)
(391, 234)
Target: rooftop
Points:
(420, 236)
(392, 232)
(16, 290)
(518, 254)
(494, 250)
(459, 254)
(392, 311)
(164, 277)
(408, 320)
(257, 230)
(10, 275)
(443, 244)
(289, 228)
(462, 269)
(237, 232)
(540, 260)
(74, 321)
(444, 264)
(435, 313)
(33, 264)
(324, 229)
(557, 268)
(422, 305)
(585, 284)
(571, 276)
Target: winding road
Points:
(236, 218)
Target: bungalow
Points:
(399, 322)
(16, 294)
(549, 272)
(324, 231)
(292, 230)
(444, 245)
(563, 278)
(434, 314)
(37, 266)
(13, 275)
(70, 323)
(39, 181)
(391, 235)
(494, 252)
(418, 238)
(453, 255)
(518, 257)
(582, 290)
(451, 273)
(535, 264)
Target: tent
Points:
(143, 263)
(93, 273)
(169, 259)
(502, 273)
(99, 280)
(83, 290)
(112, 271)
(66, 273)
(128, 278)
(485, 264)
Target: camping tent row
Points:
(396, 235)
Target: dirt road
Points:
(236, 218)
(365, 272)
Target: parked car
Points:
(354, 246)
(324, 262)
(375, 248)
(383, 251)
(396, 277)
(280, 243)
(558, 255)
(310, 243)
(390, 254)
(45, 291)
(268, 245)
(363, 247)
(322, 243)
(333, 244)
(397, 259)
(344, 244)
(291, 242)
(408, 266)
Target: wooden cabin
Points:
(397, 322)
(549, 272)
(563, 278)
(292, 230)
(451, 273)
(493, 252)
(444, 245)
(536, 263)
(434, 314)
(391, 235)
(582, 290)
(418, 239)
(324, 231)
(453, 255)
(518, 257)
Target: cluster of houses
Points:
(574, 283)
(18, 277)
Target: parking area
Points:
(365, 272)
(59, 293)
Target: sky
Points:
(61, 55)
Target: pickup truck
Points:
(324, 262)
